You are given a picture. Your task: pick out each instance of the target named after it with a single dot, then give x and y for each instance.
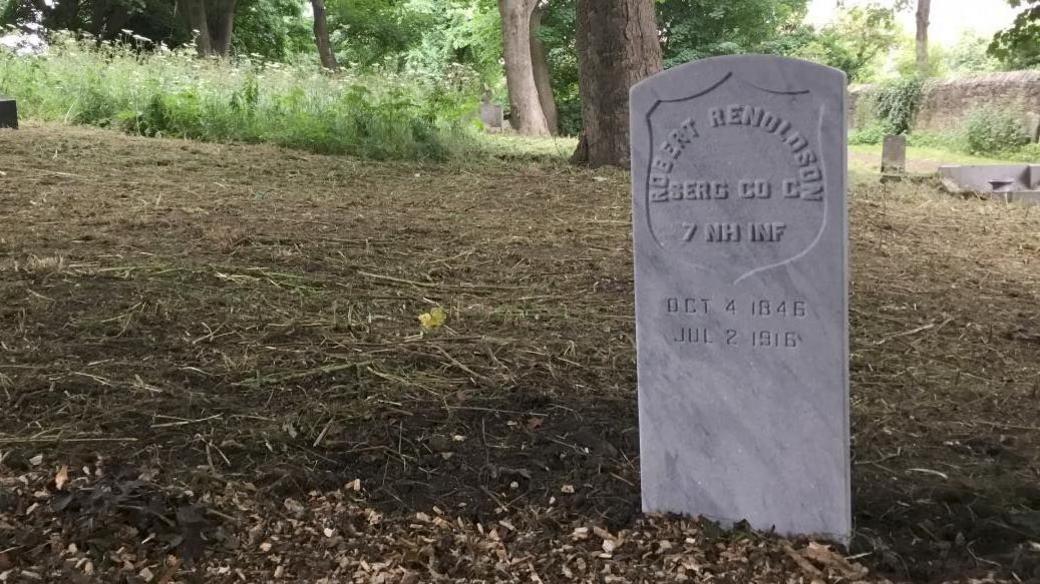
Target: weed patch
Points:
(174, 94)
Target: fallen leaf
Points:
(433, 319)
(172, 565)
(803, 563)
(568, 489)
(294, 507)
(290, 430)
(61, 478)
(823, 555)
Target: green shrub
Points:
(994, 131)
(895, 104)
(953, 141)
(871, 134)
(1028, 153)
(173, 93)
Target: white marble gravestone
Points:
(738, 172)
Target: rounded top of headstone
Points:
(771, 67)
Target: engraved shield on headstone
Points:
(750, 150)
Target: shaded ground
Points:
(221, 345)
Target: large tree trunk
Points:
(525, 108)
(542, 77)
(213, 22)
(617, 47)
(106, 21)
(195, 13)
(321, 36)
(221, 15)
(66, 16)
(924, 8)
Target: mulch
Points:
(212, 369)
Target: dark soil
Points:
(220, 345)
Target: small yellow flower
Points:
(433, 319)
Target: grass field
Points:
(220, 346)
(922, 159)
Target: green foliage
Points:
(461, 35)
(987, 133)
(993, 131)
(1027, 153)
(694, 29)
(172, 93)
(870, 134)
(856, 42)
(690, 29)
(969, 55)
(895, 104)
(273, 29)
(375, 32)
(1018, 46)
(906, 59)
(559, 23)
(943, 141)
(458, 42)
(106, 19)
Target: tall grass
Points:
(173, 93)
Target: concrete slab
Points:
(1019, 183)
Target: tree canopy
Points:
(855, 42)
(461, 41)
(694, 29)
(1019, 45)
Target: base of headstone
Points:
(8, 113)
(892, 177)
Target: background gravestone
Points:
(8, 113)
(1032, 126)
(492, 116)
(893, 154)
(738, 169)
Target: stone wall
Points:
(945, 104)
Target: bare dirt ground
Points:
(212, 370)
